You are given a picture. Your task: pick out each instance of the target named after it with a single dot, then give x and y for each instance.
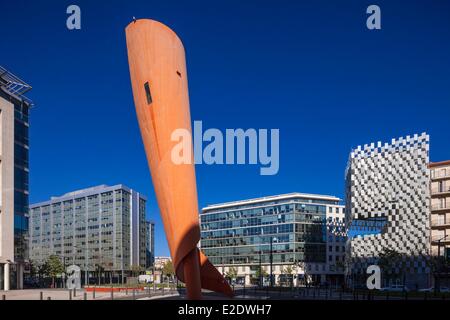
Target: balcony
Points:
(435, 239)
(440, 191)
(437, 177)
(440, 224)
(440, 208)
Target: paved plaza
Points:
(64, 294)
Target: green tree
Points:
(53, 268)
(168, 269)
(100, 269)
(303, 266)
(438, 265)
(136, 270)
(231, 273)
(34, 268)
(42, 269)
(259, 275)
(389, 261)
(289, 270)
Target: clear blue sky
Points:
(309, 68)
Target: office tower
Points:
(14, 171)
(150, 243)
(440, 208)
(288, 235)
(99, 228)
(388, 208)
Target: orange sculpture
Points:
(160, 89)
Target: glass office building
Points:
(150, 244)
(99, 228)
(278, 235)
(14, 172)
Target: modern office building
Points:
(440, 208)
(14, 171)
(150, 244)
(292, 236)
(388, 207)
(99, 228)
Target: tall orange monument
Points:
(160, 88)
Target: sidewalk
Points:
(64, 294)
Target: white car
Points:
(395, 288)
(145, 279)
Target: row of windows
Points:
(283, 209)
(273, 203)
(283, 228)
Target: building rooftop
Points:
(272, 198)
(84, 193)
(14, 86)
(439, 164)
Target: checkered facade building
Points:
(391, 182)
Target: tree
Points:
(135, 270)
(42, 269)
(231, 273)
(100, 269)
(437, 265)
(288, 270)
(34, 268)
(54, 267)
(390, 261)
(303, 266)
(259, 275)
(168, 269)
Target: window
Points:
(148, 93)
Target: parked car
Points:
(431, 290)
(395, 288)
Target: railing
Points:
(440, 176)
(439, 223)
(437, 238)
(440, 207)
(440, 190)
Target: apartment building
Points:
(440, 208)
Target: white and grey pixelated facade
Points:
(390, 183)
